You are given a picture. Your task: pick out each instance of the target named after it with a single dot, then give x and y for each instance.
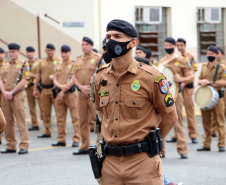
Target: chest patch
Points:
(135, 85)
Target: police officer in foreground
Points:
(33, 64)
(44, 72)
(66, 98)
(14, 76)
(129, 98)
(206, 78)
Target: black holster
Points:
(190, 85)
(72, 89)
(55, 91)
(221, 93)
(96, 162)
(39, 86)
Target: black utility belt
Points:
(152, 145)
(32, 84)
(47, 86)
(190, 85)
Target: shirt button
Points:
(102, 102)
(116, 119)
(116, 135)
(116, 102)
(134, 103)
(117, 85)
(140, 65)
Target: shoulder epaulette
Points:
(150, 69)
(103, 67)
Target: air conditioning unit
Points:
(148, 15)
(209, 15)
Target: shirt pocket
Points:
(133, 107)
(104, 104)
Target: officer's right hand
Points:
(35, 93)
(204, 82)
(85, 90)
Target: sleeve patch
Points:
(162, 83)
(169, 100)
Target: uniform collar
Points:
(132, 68)
(13, 62)
(213, 66)
(185, 54)
(67, 61)
(87, 57)
(32, 61)
(50, 58)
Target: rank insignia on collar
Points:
(104, 93)
(135, 85)
(169, 100)
(104, 82)
(162, 83)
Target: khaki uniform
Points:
(188, 100)
(46, 68)
(30, 98)
(62, 73)
(214, 120)
(208, 72)
(180, 67)
(84, 70)
(16, 106)
(130, 106)
(2, 118)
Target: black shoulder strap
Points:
(19, 75)
(216, 72)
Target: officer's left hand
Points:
(8, 96)
(177, 78)
(182, 85)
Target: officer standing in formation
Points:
(2, 119)
(188, 91)
(130, 104)
(184, 74)
(220, 59)
(84, 70)
(14, 76)
(45, 72)
(206, 78)
(66, 98)
(33, 65)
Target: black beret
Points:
(65, 48)
(104, 43)
(170, 40)
(122, 26)
(181, 40)
(144, 60)
(30, 48)
(14, 46)
(141, 48)
(213, 49)
(87, 39)
(50, 46)
(95, 50)
(148, 53)
(222, 51)
(2, 50)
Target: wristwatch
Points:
(11, 93)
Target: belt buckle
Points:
(120, 150)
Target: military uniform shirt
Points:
(207, 72)
(10, 72)
(63, 71)
(131, 104)
(85, 67)
(46, 68)
(192, 60)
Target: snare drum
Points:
(206, 97)
(174, 86)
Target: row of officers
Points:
(51, 81)
(40, 78)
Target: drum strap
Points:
(216, 72)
